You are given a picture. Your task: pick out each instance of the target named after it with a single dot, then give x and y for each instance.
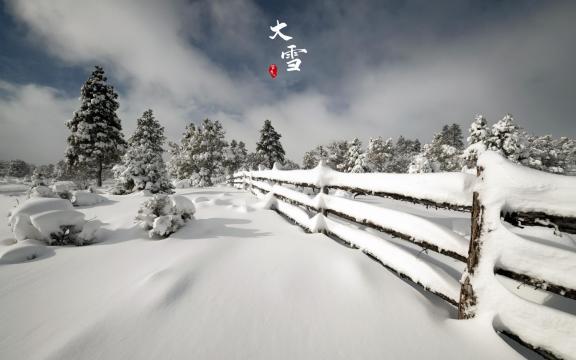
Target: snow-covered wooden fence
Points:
(502, 191)
(524, 197)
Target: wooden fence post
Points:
(468, 299)
(324, 190)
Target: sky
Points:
(372, 68)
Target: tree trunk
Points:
(99, 174)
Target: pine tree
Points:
(478, 134)
(337, 154)
(19, 168)
(181, 165)
(234, 157)
(452, 135)
(269, 145)
(379, 154)
(505, 138)
(208, 151)
(254, 160)
(96, 139)
(403, 152)
(312, 158)
(355, 158)
(421, 162)
(142, 166)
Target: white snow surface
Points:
(231, 284)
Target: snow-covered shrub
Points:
(162, 214)
(64, 189)
(41, 191)
(53, 221)
(182, 184)
(86, 198)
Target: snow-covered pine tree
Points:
(312, 158)
(181, 165)
(210, 151)
(378, 154)
(254, 160)
(234, 157)
(337, 154)
(452, 135)
(269, 145)
(290, 165)
(355, 158)
(142, 166)
(96, 139)
(421, 162)
(19, 168)
(403, 152)
(505, 138)
(478, 134)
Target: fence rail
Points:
(533, 199)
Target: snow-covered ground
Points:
(236, 282)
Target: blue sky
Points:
(373, 67)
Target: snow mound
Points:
(53, 221)
(86, 198)
(23, 251)
(42, 191)
(63, 186)
(182, 184)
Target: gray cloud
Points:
(371, 70)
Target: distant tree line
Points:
(97, 149)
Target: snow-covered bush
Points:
(182, 184)
(64, 189)
(86, 198)
(162, 214)
(41, 191)
(53, 221)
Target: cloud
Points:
(32, 120)
(376, 68)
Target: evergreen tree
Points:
(269, 145)
(505, 138)
(421, 162)
(477, 142)
(96, 139)
(337, 154)
(254, 160)
(312, 158)
(355, 158)
(142, 166)
(208, 151)
(404, 151)
(4, 166)
(234, 157)
(290, 165)
(379, 154)
(19, 168)
(181, 165)
(452, 136)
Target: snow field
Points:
(230, 284)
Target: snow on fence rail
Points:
(502, 190)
